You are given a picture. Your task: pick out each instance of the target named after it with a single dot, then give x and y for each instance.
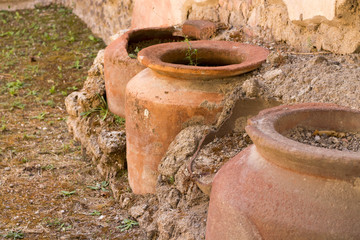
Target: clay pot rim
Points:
(293, 155)
(122, 42)
(253, 56)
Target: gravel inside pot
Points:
(213, 155)
(343, 141)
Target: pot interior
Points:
(335, 120)
(202, 57)
(147, 37)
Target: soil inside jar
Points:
(213, 155)
(343, 141)
(135, 47)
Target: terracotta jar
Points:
(169, 95)
(119, 68)
(282, 189)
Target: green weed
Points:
(100, 186)
(103, 109)
(95, 213)
(14, 234)
(119, 120)
(67, 193)
(127, 224)
(52, 89)
(77, 64)
(50, 103)
(191, 54)
(18, 105)
(41, 116)
(48, 167)
(32, 93)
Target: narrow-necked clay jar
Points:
(119, 68)
(169, 95)
(283, 189)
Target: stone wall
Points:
(103, 17)
(307, 25)
(22, 4)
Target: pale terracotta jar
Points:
(279, 188)
(119, 67)
(169, 95)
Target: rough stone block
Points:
(199, 29)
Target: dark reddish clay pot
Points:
(283, 189)
(119, 68)
(168, 96)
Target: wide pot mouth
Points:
(202, 59)
(267, 131)
(151, 36)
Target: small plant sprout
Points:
(41, 116)
(119, 120)
(50, 103)
(127, 224)
(191, 54)
(171, 179)
(95, 213)
(48, 167)
(100, 186)
(14, 234)
(18, 105)
(52, 89)
(103, 109)
(92, 38)
(74, 88)
(32, 93)
(67, 193)
(136, 51)
(77, 64)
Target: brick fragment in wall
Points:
(199, 29)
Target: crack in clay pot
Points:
(175, 94)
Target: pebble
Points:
(270, 75)
(332, 140)
(7, 169)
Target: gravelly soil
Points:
(343, 141)
(314, 78)
(48, 190)
(216, 153)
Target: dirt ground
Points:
(49, 189)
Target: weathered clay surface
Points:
(213, 59)
(267, 127)
(158, 110)
(120, 68)
(282, 189)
